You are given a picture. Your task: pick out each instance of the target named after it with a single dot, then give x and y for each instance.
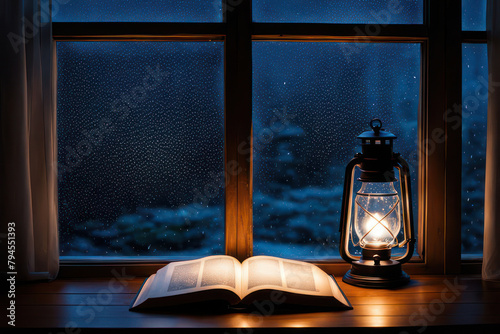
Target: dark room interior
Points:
(240, 166)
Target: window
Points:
(137, 11)
(474, 119)
(327, 101)
(135, 118)
(232, 67)
(474, 15)
(339, 11)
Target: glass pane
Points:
(474, 114)
(380, 12)
(137, 11)
(310, 102)
(141, 148)
(474, 15)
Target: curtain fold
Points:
(28, 142)
(491, 248)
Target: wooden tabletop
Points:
(427, 302)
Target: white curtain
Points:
(491, 250)
(28, 147)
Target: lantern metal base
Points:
(385, 276)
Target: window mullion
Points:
(238, 118)
(357, 32)
(432, 197)
(453, 137)
(140, 31)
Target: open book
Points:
(223, 278)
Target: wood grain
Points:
(124, 299)
(428, 300)
(418, 284)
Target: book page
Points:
(212, 272)
(337, 292)
(266, 272)
(143, 294)
(263, 271)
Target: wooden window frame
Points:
(439, 222)
(469, 264)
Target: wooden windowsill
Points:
(68, 305)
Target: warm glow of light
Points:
(378, 232)
(378, 316)
(298, 324)
(380, 321)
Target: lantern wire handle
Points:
(376, 125)
(378, 222)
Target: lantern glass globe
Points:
(377, 219)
